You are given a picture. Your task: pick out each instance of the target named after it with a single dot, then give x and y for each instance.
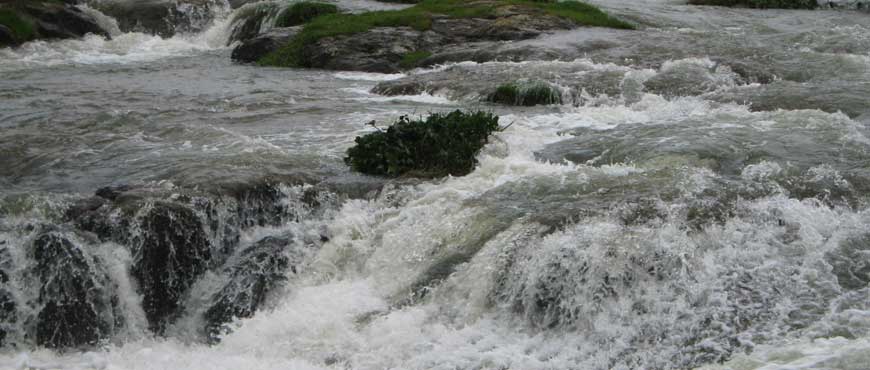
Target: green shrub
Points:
(764, 4)
(22, 29)
(303, 12)
(526, 94)
(411, 59)
(419, 17)
(440, 145)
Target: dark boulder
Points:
(7, 301)
(25, 21)
(173, 250)
(76, 297)
(6, 36)
(253, 49)
(247, 23)
(258, 270)
(164, 18)
(63, 22)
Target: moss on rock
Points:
(21, 28)
(526, 94)
(440, 145)
(420, 17)
(303, 12)
(412, 59)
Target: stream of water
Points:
(701, 204)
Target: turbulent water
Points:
(699, 201)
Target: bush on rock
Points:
(440, 145)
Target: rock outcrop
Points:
(173, 251)
(77, 299)
(257, 270)
(391, 41)
(22, 21)
(253, 49)
(164, 18)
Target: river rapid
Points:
(699, 201)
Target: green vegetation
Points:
(763, 4)
(440, 145)
(526, 94)
(303, 12)
(21, 28)
(420, 16)
(411, 59)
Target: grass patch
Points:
(303, 12)
(419, 17)
(440, 145)
(526, 94)
(762, 4)
(411, 59)
(22, 28)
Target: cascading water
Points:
(161, 207)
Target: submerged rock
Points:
(851, 263)
(77, 298)
(258, 269)
(252, 50)
(173, 251)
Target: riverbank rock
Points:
(22, 21)
(392, 41)
(77, 299)
(380, 50)
(164, 18)
(258, 269)
(250, 51)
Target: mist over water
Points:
(699, 201)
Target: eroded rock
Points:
(173, 251)
(258, 269)
(77, 298)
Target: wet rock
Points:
(76, 297)
(63, 22)
(510, 24)
(258, 270)
(112, 192)
(7, 301)
(6, 36)
(252, 50)
(173, 251)
(164, 18)
(377, 50)
(45, 20)
(7, 314)
(247, 23)
(851, 263)
(235, 4)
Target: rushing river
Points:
(702, 204)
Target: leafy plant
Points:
(440, 145)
